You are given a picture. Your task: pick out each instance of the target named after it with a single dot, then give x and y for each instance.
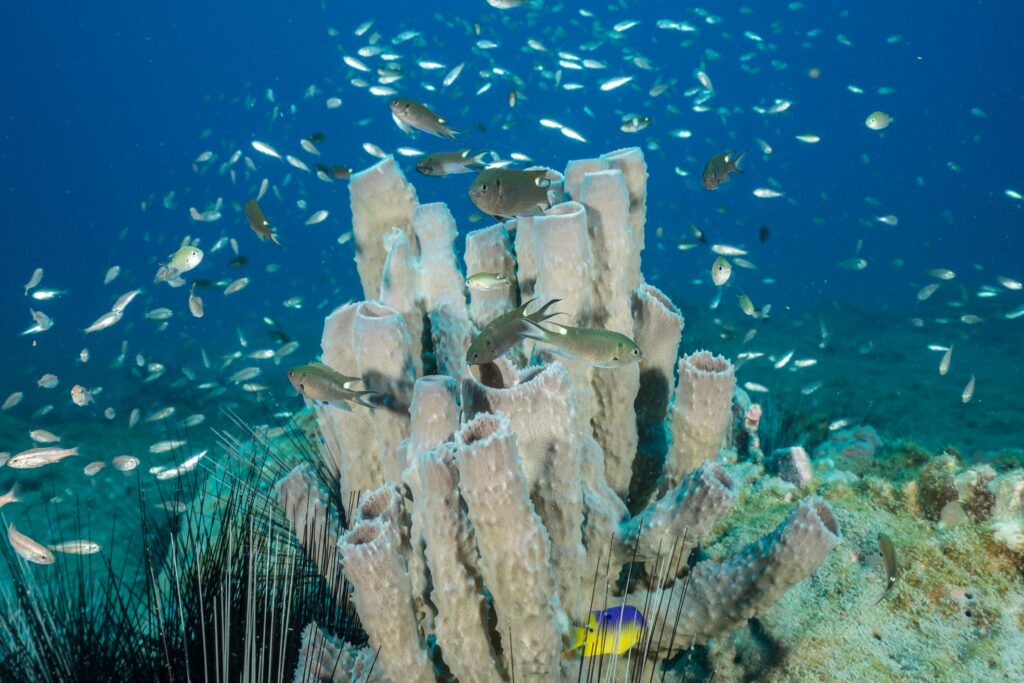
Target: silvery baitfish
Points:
(487, 282)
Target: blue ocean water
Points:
(106, 106)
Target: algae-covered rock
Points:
(954, 613)
(792, 465)
(855, 443)
(936, 486)
(974, 494)
(1008, 510)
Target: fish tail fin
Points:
(363, 398)
(526, 304)
(478, 163)
(577, 637)
(882, 596)
(273, 238)
(541, 314)
(736, 162)
(340, 405)
(450, 133)
(12, 495)
(74, 451)
(534, 331)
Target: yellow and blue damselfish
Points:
(609, 631)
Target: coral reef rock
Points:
(792, 465)
(855, 443)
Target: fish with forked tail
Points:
(259, 223)
(594, 346)
(505, 331)
(507, 192)
(317, 382)
(717, 170)
(450, 163)
(888, 551)
(412, 114)
(29, 549)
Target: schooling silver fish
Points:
(28, 549)
(38, 457)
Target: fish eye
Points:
(483, 187)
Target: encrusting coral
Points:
(500, 502)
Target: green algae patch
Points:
(958, 600)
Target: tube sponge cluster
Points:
(493, 497)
